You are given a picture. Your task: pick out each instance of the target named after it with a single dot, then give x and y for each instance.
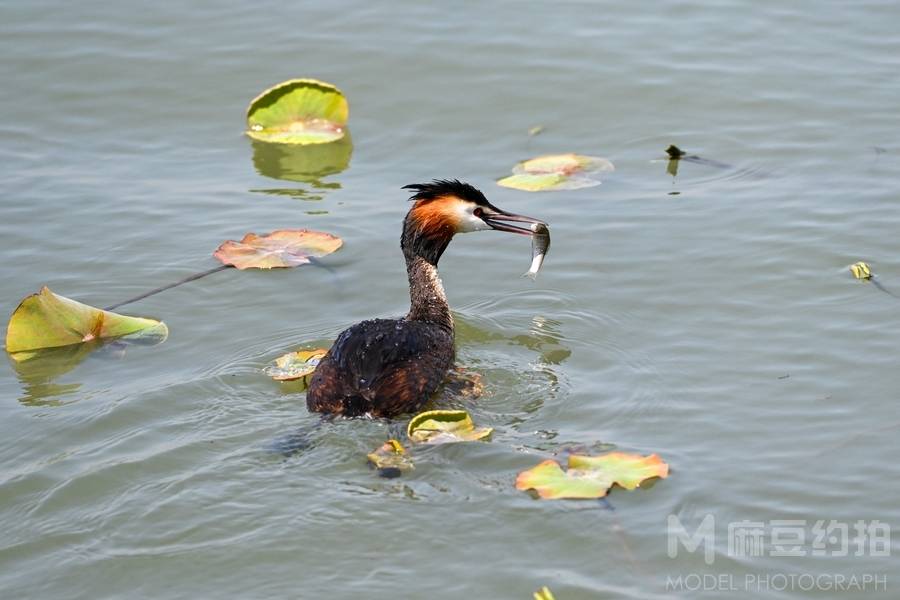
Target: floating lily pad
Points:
(544, 594)
(565, 164)
(528, 182)
(627, 470)
(295, 365)
(445, 426)
(861, 270)
(47, 320)
(557, 172)
(591, 476)
(390, 459)
(280, 249)
(298, 111)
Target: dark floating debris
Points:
(676, 154)
(674, 151)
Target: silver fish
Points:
(540, 243)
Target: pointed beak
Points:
(499, 220)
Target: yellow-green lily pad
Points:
(591, 476)
(295, 365)
(445, 426)
(390, 459)
(282, 248)
(47, 320)
(557, 172)
(861, 270)
(544, 594)
(538, 182)
(298, 111)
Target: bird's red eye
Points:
(477, 212)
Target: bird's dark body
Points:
(381, 367)
(388, 367)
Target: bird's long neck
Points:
(427, 299)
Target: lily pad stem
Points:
(193, 277)
(881, 287)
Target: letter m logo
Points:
(705, 534)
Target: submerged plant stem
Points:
(193, 277)
(878, 284)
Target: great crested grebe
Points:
(386, 367)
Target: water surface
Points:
(707, 317)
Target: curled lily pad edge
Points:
(291, 83)
(447, 416)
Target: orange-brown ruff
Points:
(386, 367)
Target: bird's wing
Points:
(406, 385)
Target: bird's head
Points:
(444, 208)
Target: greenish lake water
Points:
(708, 317)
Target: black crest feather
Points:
(446, 187)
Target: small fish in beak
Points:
(540, 243)
(537, 229)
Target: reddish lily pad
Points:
(47, 320)
(591, 476)
(445, 426)
(295, 365)
(557, 172)
(298, 111)
(283, 248)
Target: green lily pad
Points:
(551, 482)
(298, 111)
(295, 365)
(591, 476)
(528, 182)
(626, 470)
(47, 320)
(390, 459)
(283, 248)
(557, 172)
(445, 426)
